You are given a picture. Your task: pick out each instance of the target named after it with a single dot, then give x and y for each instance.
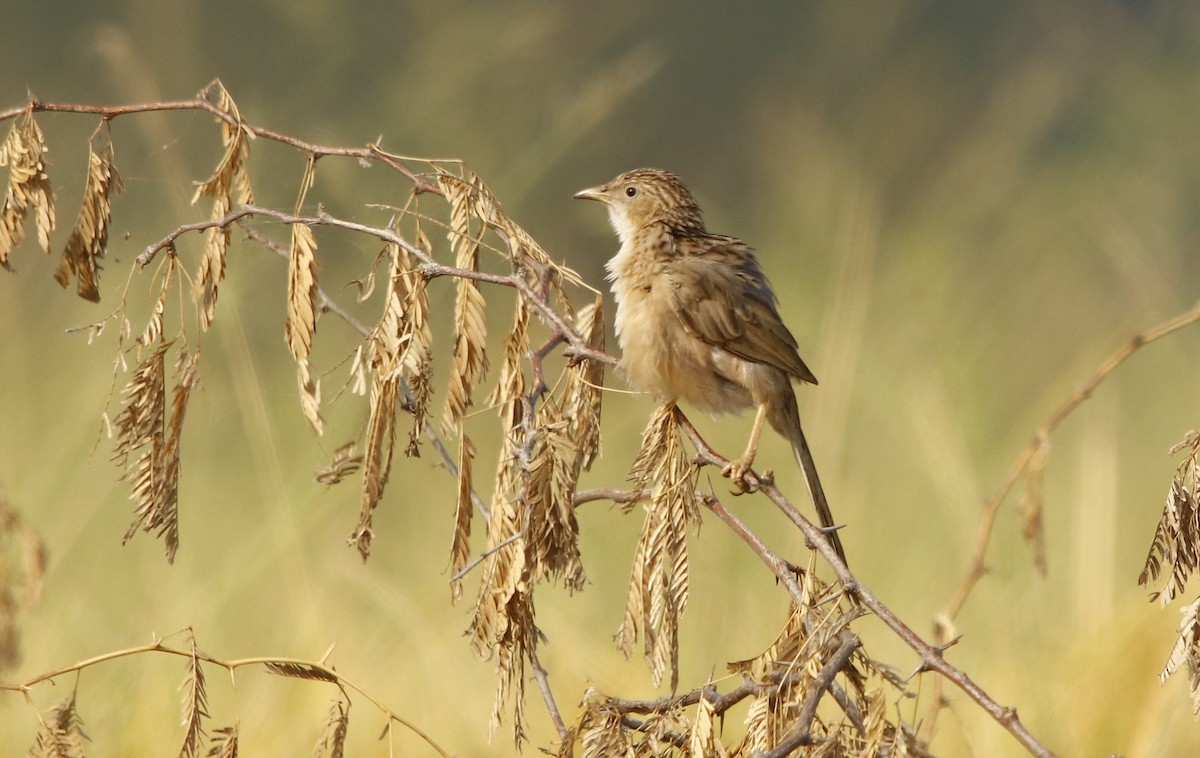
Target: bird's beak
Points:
(592, 193)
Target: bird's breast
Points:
(657, 353)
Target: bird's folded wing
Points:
(722, 298)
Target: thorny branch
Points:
(1023, 460)
(429, 268)
(1027, 459)
(930, 656)
(202, 103)
(318, 669)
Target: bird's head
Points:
(645, 196)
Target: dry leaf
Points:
(61, 735)
(460, 548)
(23, 151)
(1176, 543)
(346, 460)
(195, 705)
(143, 429)
(398, 348)
(212, 265)
(300, 671)
(224, 742)
(310, 397)
(301, 320)
(89, 239)
(333, 732)
(658, 587)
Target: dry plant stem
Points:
(543, 682)
(370, 152)
(1077, 398)
(801, 735)
(429, 268)
(720, 703)
(1019, 466)
(231, 666)
(612, 494)
(484, 556)
(930, 656)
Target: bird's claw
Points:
(736, 472)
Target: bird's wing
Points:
(721, 296)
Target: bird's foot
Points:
(736, 472)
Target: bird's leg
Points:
(736, 470)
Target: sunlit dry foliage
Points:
(460, 548)
(144, 431)
(1186, 652)
(23, 151)
(195, 705)
(502, 625)
(552, 538)
(658, 587)
(332, 742)
(814, 691)
(1176, 544)
(702, 742)
(301, 671)
(301, 320)
(61, 735)
(224, 742)
(1176, 548)
(302, 287)
(89, 239)
(470, 327)
(229, 176)
(397, 350)
(585, 382)
(790, 674)
(600, 730)
(346, 461)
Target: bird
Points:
(698, 321)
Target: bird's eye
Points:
(630, 191)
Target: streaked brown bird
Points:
(697, 319)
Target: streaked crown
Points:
(645, 196)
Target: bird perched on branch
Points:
(697, 321)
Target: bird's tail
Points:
(815, 490)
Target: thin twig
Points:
(618, 496)
(485, 554)
(543, 682)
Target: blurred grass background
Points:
(964, 208)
